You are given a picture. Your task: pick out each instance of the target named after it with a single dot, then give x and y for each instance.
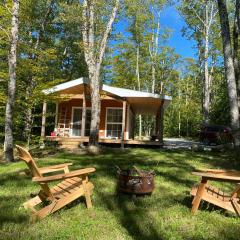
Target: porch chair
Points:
(72, 186)
(203, 191)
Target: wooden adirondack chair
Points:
(203, 191)
(72, 186)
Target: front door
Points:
(77, 121)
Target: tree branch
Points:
(157, 34)
(7, 8)
(212, 16)
(106, 33)
(6, 32)
(85, 32)
(197, 15)
(91, 32)
(44, 21)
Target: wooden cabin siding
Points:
(65, 113)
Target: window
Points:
(114, 122)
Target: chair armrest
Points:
(55, 168)
(209, 170)
(63, 176)
(228, 176)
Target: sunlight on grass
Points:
(164, 215)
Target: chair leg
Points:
(87, 195)
(236, 206)
(30, 204)
(197, 199)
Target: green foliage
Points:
(186, 93)
(185, 89)
(49, 52)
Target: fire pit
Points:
(135, 181)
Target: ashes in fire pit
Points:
(135, 181)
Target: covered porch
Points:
(119, 108)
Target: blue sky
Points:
(170, 18)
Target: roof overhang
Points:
(141, 102)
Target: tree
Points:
(94, 52)
(200, 17)
(236, 33)
(12, 64)
(49, 53)
(143, 61)
(39, 23)
(229, 65)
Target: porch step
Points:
(70, 143)
(68, 147)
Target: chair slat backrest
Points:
(26, 157)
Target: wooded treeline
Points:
(61, 40)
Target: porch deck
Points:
(74, 142)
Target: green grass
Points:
(164, 215)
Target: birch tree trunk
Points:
(229, 65)
(139, 89)
(12, 63)
(206, 102)
(206, 21)
(94, 54)
(179, 110)
(153, 51)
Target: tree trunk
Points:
(95, 100)
(206, 102)
(206, 22)
(139, 88)
(12, 63)
(28, 125)
(179, 110)
(94, 56)
(153, 51)
(236, 30)
(28, 118)
(229, 65)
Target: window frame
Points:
(115, 123)
(71, 124)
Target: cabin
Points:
(119, 108)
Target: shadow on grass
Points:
(172, 168)
(9, 210)
(135, 220)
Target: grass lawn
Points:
(164, 215)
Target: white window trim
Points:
(71, 124)
(106, 122)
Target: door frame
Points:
(71, 124)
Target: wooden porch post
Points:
(83, 112)
(56, 118)
(123, 123)
(159, 123)
(44, 110)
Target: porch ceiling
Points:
(145, 105)
(73, 90)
